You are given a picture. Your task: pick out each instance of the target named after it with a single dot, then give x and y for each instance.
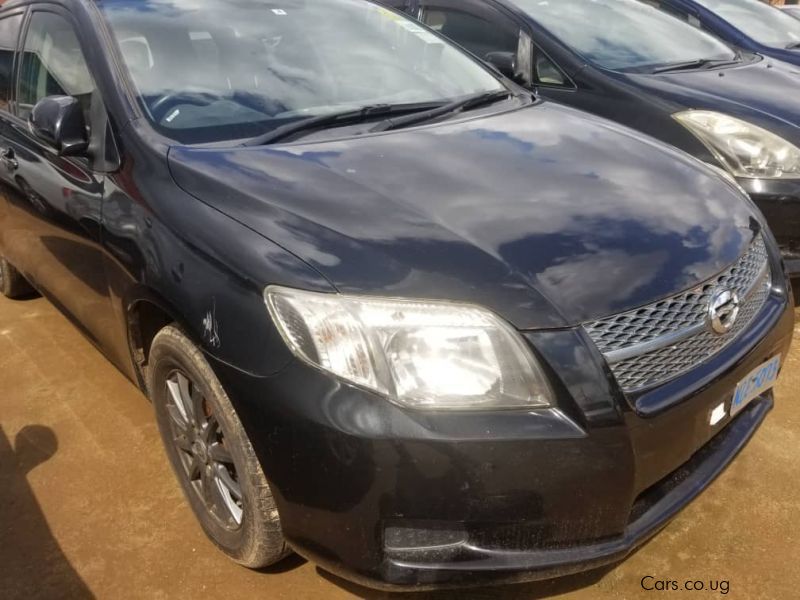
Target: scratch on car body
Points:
(210, 327)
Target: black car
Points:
(393, 312)
(752, 25)
(626, 61)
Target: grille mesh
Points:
(749, 277)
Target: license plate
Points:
(756, 383)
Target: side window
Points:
(531, 60)
(485, 31)
(53, 64)
(9, 32)
(476, 31)
(401, 5)
(546, 73)
(676, 12)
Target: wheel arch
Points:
(147, 313)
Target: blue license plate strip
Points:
(757, 382)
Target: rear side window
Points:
(9, 33)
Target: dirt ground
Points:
(89, 507)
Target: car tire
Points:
(211, 453)
(12, 284)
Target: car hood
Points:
(789, 55)
(546, 215)
(764, 92)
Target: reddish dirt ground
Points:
(89, 507)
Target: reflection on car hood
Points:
(763, 92)
(546, 215)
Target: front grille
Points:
(658, 342)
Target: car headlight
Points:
(745, 149)
(419, 354)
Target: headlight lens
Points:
(745, 149)
(425, 355)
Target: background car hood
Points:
(765, 92)
(546, 215)
(784, 54)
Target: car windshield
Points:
(624, 35)
(764, 23)
(213, 70)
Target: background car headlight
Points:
(427, 355)
(745, 149)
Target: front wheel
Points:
(211, 453)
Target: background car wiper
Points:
(695, 64)
(462, 104)
(335, 119)
(793, 46)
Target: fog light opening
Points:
(422, 539)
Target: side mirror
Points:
(504, 62)
(59, 122)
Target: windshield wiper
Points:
(419, 112)
(793, 46)
(462, 104)
(700, 63)
(336, 119)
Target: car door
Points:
(57, 207)
(483, 29)
(11, 246)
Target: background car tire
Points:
(258, 540)
(12, 283)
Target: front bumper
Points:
(392, 498)
(779, 201)
(651, 511)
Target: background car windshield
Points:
(211, 70)
(624, 34)
(765, 24)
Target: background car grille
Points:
(657, 342)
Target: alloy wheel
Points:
(200, 442)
